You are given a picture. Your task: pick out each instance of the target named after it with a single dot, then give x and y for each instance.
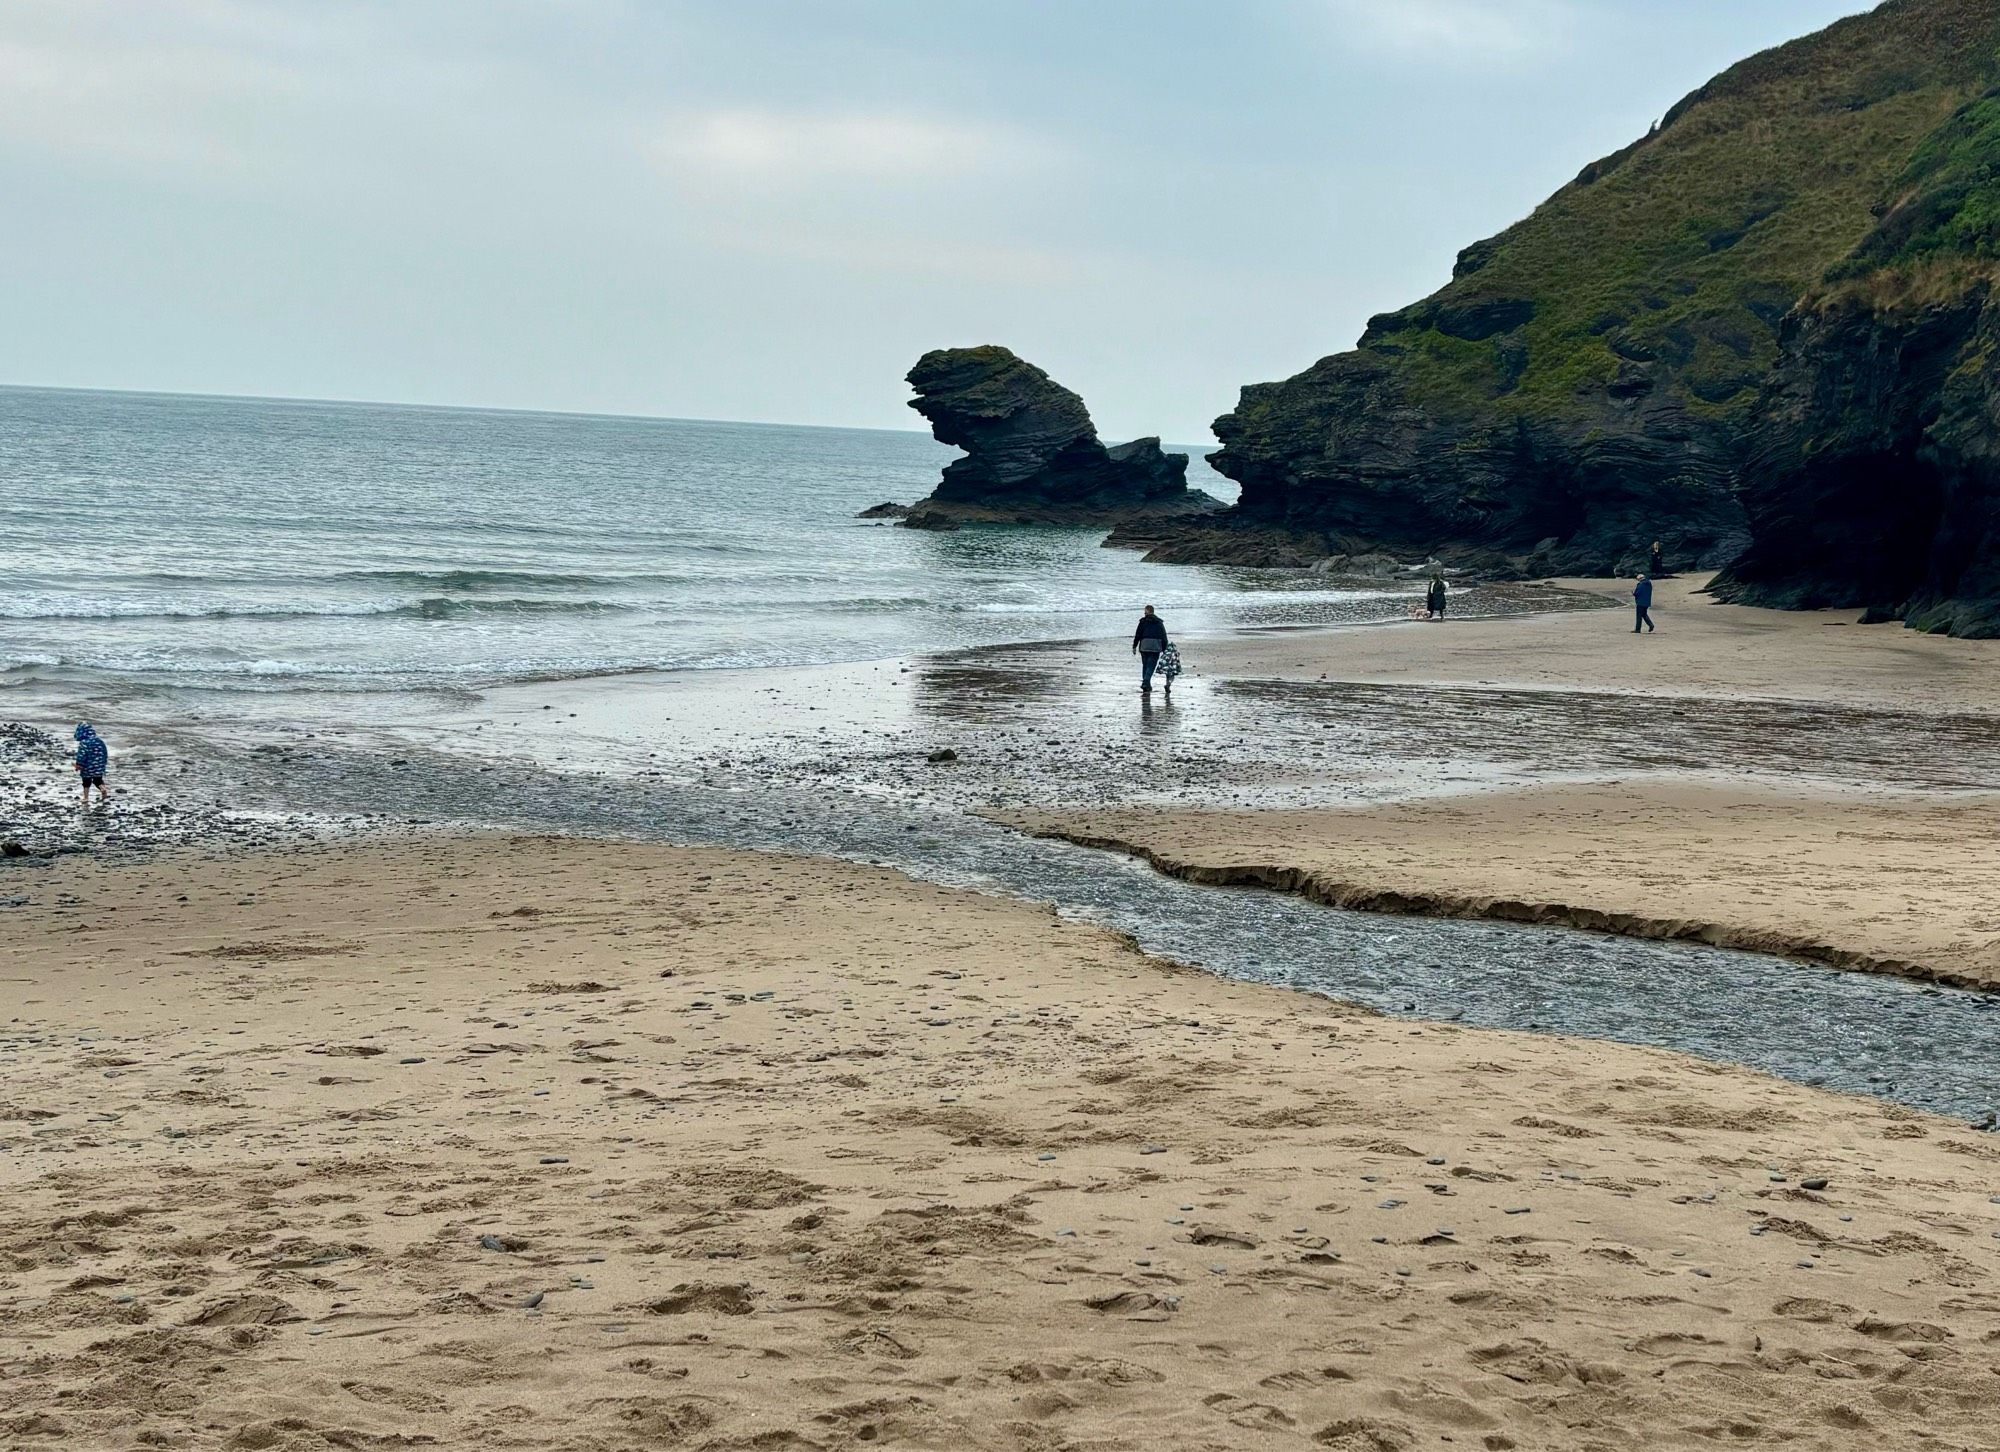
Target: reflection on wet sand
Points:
(1156, 720)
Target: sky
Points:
(767, 209)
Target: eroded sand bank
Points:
(803, 1154)
(1888, 883)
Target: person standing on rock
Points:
(1147, 642)
(93, 760)
(1642, 597)
(1434, 598)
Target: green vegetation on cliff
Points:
(1680, 253)
(1948, 202)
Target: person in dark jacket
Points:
(1656, 563)
(1434, 598)
(1642, 597)
(93, 760)
(1147, 642)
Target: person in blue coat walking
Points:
(93, 760)
(1642, 597)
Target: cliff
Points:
(1587, 381)
(1032, 455)
(1875, 476)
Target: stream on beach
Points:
(1925, 1046)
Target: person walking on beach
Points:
(93, 760)
(1148, 641)
(1656, 564)
(1434, 598)
(1642, 597)
(1170, 665)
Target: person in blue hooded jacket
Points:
(93, 760)
(1642, 598)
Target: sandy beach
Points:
(476, 1139)
(1701, 647)
(1707, 833)
(533, 1142)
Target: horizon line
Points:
(750, 423)
(445, 407)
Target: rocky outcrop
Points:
(1588, 379)
(1032, 454)
(1876, 481)
(1346, 454)
(1873, 479)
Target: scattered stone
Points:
(1816, 1182)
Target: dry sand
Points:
(797, 1154)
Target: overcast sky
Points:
(766, 209)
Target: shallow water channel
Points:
(1934, 1048)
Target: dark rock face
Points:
(1032, 453)
(1344, 451)
(1875, 481)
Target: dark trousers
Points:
(1149, 661)
(1644, 618)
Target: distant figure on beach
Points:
(1170, 665)
(1434, 598)
(1642, 597)
(1656, 564)
(1149, 641)
(93, 760)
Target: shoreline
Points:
(1282, 725)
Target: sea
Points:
(168, 544)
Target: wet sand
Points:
(1701, 647)
(788, 1153)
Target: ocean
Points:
(172, 544)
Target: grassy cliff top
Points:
(1673, 259)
